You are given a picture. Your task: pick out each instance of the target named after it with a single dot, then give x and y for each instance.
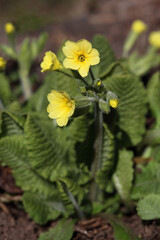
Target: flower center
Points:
(81, 58)
(69, 104)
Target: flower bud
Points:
(112, 99)
(114, 103)
(98, 83)
(9, 28)
(2, 63)
(82, 106)
(104, 106)
(139, 26)
(154, 39)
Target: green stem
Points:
(73, 200)
(92, 75)
(68, 75)
(25, 83)
(96, 165)
(1, 105)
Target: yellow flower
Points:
(2, 63)
(80, 56)
(139, 26)
(113, 103)
(9, 28)
(50, 62)
(154, 39)
(61, 107)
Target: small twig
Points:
(83, 231)
(4, 208)
(6, 198)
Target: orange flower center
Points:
(81, 58)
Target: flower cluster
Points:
(79, 56)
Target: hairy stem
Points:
(96, 165)
(25, 83)
(68, 75)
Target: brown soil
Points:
(16, 225)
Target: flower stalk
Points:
(25, 83)
(73, 200)
(95, 190)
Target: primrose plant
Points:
(79, 57)
(77, 160)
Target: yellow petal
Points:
(71, 63)
(52, 97)
(57, 113)
(70, 48)
(84, 46)
(94, 60)
(62, 121)
(94, 53)
(84, 69)
(66, 95)
(54, 106)
(72, 110)
(57, 94)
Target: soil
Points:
(111, 18)
(15, 224)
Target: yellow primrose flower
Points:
(9, 28)
(139, 26)
(80, 56)
(113, 103)
(154, 39)
(50, 62)
(61, 107)
(2, 63)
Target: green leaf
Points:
(155, 154)
(121, 231)
(5, 90)
(14, 154)
(25, 56)
(11, 124)
(8, 51)
(108, 150)
(148, 208)
(107, 56)
(41, 208)
(123, 175)
(63, 82)
(45, 154)
(38, 100)
(154, 95)
(141, 65)
(37, 45)
(148, 181)
(132, 105)
(62, 231)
